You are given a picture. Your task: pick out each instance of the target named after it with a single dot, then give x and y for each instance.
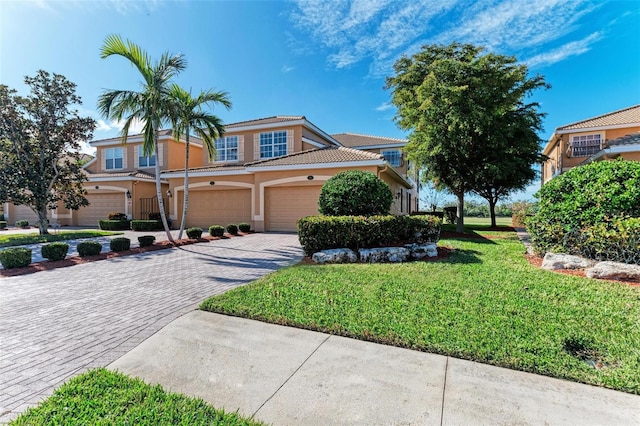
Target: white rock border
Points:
(606, 270)
(377, 255)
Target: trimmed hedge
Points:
(327, 232)
(232, 229)
(146, 240)
(194, 233)
(244, 227)
(216, 230)
(146, 225)
(120, 244)
(55, 251)
(22, 223)
(89, 248)
(17, 257)
(114, 225)
(3, 224)
(355, 192)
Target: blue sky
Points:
(327, 60)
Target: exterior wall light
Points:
(309, 177)
(128, 193)
(169, 194)
(212, 183)
(97, 187)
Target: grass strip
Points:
(9, 240)
(103, 397)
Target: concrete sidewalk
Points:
(288, 376)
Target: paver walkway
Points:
(56, 324)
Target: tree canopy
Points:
(40, 135)
(470, 126)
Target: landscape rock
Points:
(384, 254)
(420, 251)
(614, 270)
(553, 261)
(341, 255)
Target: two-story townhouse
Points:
(604, 137)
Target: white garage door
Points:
(218, 207)
(285, 205)
(100, 206)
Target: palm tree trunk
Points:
(183, 222)
(163, 215)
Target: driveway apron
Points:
(59, 323)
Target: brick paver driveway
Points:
(56, 324)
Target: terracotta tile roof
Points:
(357, 140)
(630, 139)
(624, 116)
(211, 168)
(137, 174)
(266, 120)
(319, 156)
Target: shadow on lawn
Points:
(465, 256)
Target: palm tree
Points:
(150, 105)
(187, 115)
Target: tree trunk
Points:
(460, 218)
(43, 222)
(163, 215)
(492, 211)
(185, 202)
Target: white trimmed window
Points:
(113, 159)
(145, 161)
(393, 156)
(585, 145)
(273, 144)
(227, 148)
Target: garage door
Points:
(285, 205)
(218, 207)
(22, 212)
(100, 206)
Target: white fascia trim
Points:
(322, 133)
(615, 149)
(381, 146)
(597, 128)
(232, 130)
(316, 166)
(130, 140)
(122, 179)
(90, 162)
(311, 142)
(204, 174)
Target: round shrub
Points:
(120, 244)
(355, 193)
(116, 216)
(194, 233)
(244, 227)
(146, 240)
(89, 248)
(17, 257)
(216, 230)
(232, 229)
(55, 251)
(22, 223)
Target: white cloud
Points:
(286, 68)
(567, 50)
(384, 106)
(103, 126)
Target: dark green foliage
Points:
(354, 192)
(194, 233)
(114, 225)
(17, 257)
(244, 227)
(232, 229)
(216, 230)
(89, 248)
(450, 213)
(3, 224)
(146, 240)
(146, 225)
(520, 211)
(120, 244)
(596, 193)
(22, 223)
(116, 216)
(327, 232)
(155, 216)
(1, 217)
(55, 251)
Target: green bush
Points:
(146, 240)
(55, 251)
(216, 230)
(3, 224)
(145, 225)
(2, 217)
(116, 216)
(194, 233)
(17, 257)
(89, 248)
(520, 211)
(326, 232)
(244, 227)
(114, 225)
(22, 223)
(120, 244)
(232, 229)
(155, 216)
(450, 213)
(354, 192)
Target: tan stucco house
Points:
(604, 137)
(268, 172)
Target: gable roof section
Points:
(135, 175)
(355, 140)
(620, 118)
(276, 119)
(320, 156)
(630, 139)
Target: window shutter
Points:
(290, 142)
(241, 148)
(103, 159)
(160, 155)
(136, 156)
(124, 157)
(256, 146)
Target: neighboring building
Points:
(604, 137)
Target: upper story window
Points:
(585, 145)
(227, 148)
(393, 156)
(113, 158)
(145, 161)
(273, 144)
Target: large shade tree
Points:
(40, 135)
(151, 105)
(463, 107)
(187, 115)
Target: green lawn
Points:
(500, 221)
(102, 397)
(485, 303)
(8, 240)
